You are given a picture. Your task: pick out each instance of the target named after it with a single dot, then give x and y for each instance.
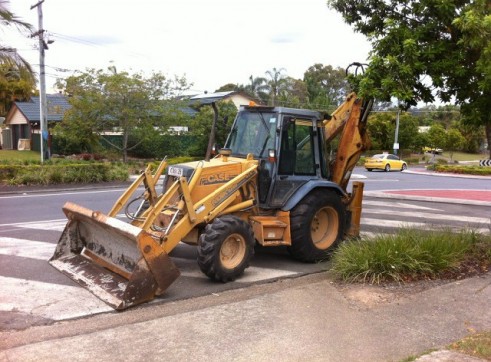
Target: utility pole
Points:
(43, 107)
(396, 136)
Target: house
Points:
(22, 124)
(237, 98)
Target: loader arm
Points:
(126, 264)
(190, 214)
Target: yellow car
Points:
(386, 162)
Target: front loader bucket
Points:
(118, 262)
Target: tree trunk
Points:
(125, 146)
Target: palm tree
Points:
(257, 88)
(13, 67)
(276, 83)
(9, 55)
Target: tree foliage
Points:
(427, 48)
(276, 84)
(108, 101)
(17, 79)
(454, 141)
(327, 86)
(201, 126)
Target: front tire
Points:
(317, 226)
(404, 167)
(225, 248)
(387, 168)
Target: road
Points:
(33, 293)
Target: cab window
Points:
(297, 148)
(253, 132)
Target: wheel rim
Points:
(387, 168)
(324, 227)
(404, 167)
(233, 251)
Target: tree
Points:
(201, 126)
(276, 84)
(17, 79)
(381, 128)
(426, 49)
(437, 136)
(130, 104)
(257, 88)
(230, 87)
(454, 141)
(327, 87)
(293, 93)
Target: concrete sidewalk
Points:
(303, 319)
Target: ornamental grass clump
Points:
(410, 254)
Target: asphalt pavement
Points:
(310, 318)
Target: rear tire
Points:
(317, 226)
(387, 168)
(225, 248)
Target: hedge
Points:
(468, 170)
(62, 173)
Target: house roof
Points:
(57, 105)
(208, 98)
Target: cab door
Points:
(298, 160)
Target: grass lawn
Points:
(11, 155)
(477, 345)
(461, 156)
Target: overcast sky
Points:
(211, 42)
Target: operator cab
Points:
(288, 144)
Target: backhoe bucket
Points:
(120, 263)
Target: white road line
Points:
(26, 248)
(52, 301)
(51, 194)
(397, 204)
(426, 215)
(58, 226)
(409, 224)
(42, 222)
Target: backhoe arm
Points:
(350, 119)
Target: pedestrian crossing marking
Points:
(51, 301)
(26, 248)
(396, 204)
(426, 215)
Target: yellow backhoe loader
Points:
(281, 179)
